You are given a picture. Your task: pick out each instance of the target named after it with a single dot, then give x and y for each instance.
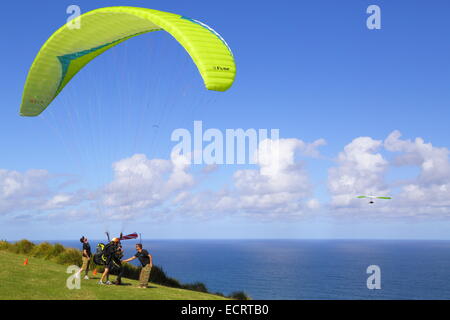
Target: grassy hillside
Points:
(45, 279)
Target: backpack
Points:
(99, 258)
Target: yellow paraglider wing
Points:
(68, 50)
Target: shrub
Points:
(158, 276)
(70, 256)
(42, 250)
(4, 245)
(56, 250)
(196, 286)
(239, 295)
(23, 246)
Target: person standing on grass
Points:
(109, 253)
(118, 265)
(147, 262)
(86, 257)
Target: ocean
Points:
(305, 269)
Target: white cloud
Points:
(280, 185)
(141, 183)
(58, 201)
(433, 162)
(360, 171)
(429, 192)
(23, 191)
(362, 168)
(35, 191)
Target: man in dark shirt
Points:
(86, 257)
(109, 253)
(147, 262)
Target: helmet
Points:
(115, 239)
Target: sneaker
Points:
(86, 278)
(108, 282)
(100, 282)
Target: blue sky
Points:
(310, 68)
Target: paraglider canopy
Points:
(68, 50)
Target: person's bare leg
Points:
(105, 274)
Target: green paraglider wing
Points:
(384, 198)
(361, 197)
(67, 51)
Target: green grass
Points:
(46, 280)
